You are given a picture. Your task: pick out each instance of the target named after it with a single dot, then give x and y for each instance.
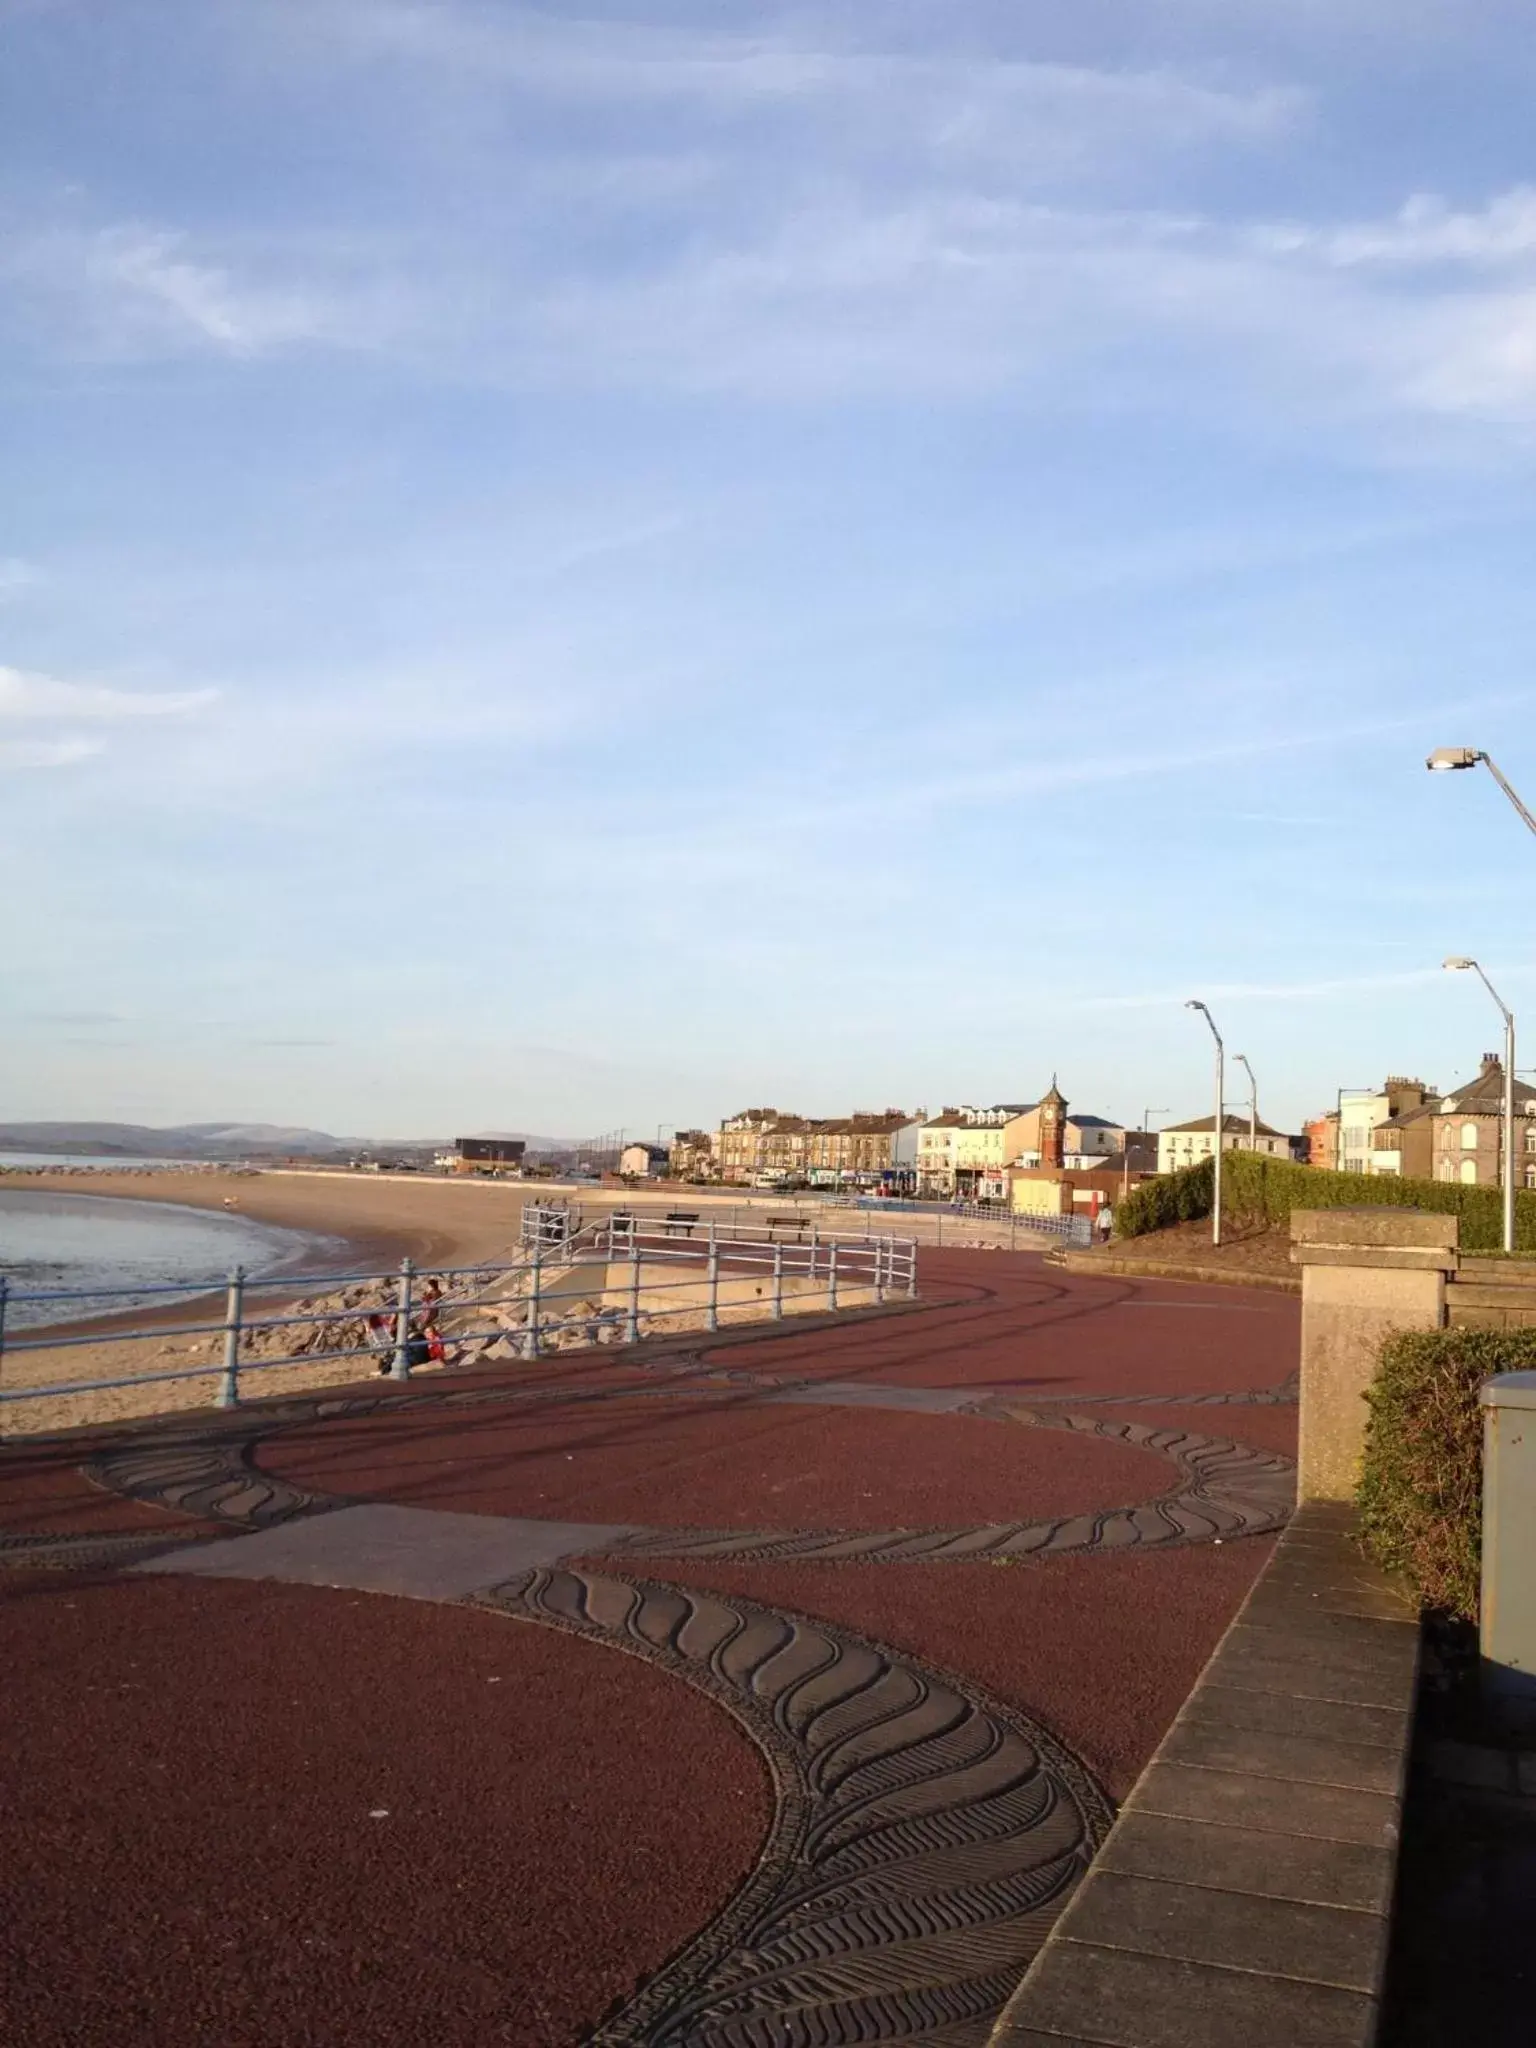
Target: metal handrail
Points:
(885, 1264)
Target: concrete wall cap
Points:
(1401, 1258)
(1373, 1226)
(1509, 1390)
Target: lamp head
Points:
(1194, 1004)
(1444, 758)
(1457, 963)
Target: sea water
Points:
(97, 1243)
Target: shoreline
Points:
(377, 1221)
(372, 1225)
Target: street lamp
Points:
(1217, 1131)
(1461, 966)
(1447, 759)
(1253, 1103)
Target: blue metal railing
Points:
(1073, 1230)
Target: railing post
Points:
(778, 1283)
(401, 1367)
(813, 1250)
(229, 1386)
(880, 1269)
(632, 1325)
(712, 1313)
(911, 1268)
(832, 1275)
(531, 1339)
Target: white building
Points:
(1187, 1144)
(1090, 1140)
(644, 1162)
(1363, 1111)
(959, 1149)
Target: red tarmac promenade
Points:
(775, 1688)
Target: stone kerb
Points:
(1365, 1273)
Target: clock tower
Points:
(1053, 1127)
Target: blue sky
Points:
(563, 569)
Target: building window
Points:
(1530, 1176)
(1447, 1170)
(1469, 1170)
(1468, 1144)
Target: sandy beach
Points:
(434, 1222)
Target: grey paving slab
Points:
(1305, 1759)
(1010, 2036)
(1284, 1598)
(1137, 2001)
(1234, 1930)
(1367, 1636)
(1278, 1713)
(1275, 1805)
(1319, 1572)
(420, 1553)
(1262, 1660)
(1270, 1866)
(1326, 1514)
(855, 1394)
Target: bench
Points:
(681, 1222)
(798, 1224)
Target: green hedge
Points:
(1421, 1486)
(1255, 1188)
(1179, 1197)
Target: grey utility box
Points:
(1508, 1631)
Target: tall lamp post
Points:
(1459, 965)
(1253, 1103)
(1217, 1132)
(1445, 759)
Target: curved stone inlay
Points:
(1228, 1489)
(925, 1838)
(211, 1475)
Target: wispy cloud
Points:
(28, 698)
(16, 577)
(130, 290)
(1424, 232)
(48, 753)
(25, 694)
(630, 62)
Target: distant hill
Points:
(224, 1141)
(174, 1141)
